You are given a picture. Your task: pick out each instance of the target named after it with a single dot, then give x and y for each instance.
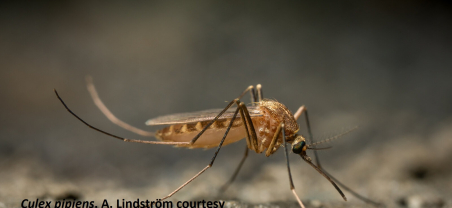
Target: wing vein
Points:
(199, 116)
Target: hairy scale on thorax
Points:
(274, 113)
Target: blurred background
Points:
(382, 65)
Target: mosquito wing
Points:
(205, 115)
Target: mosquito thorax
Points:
(299, 145)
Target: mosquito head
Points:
(299, 145)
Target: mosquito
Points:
(266, 125)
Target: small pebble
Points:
(417, 201)
(316, 203)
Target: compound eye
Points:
(298, 148)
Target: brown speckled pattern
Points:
(274, 113)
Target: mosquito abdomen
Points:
(210, 138)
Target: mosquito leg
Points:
(249, 127)
(211, 162)
(260, 96)
(300, 110)
(292, 187)
(226, 185)
(253, 139)
(249, 142)
(253, 96)
(250, 145)
(273, 142)
(112, 135)
(109, 115)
